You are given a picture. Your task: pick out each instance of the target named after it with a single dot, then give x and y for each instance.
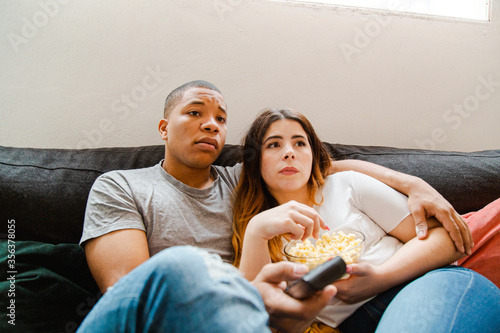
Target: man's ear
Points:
(162, 128)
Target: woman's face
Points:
(286, 161)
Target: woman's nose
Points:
(289, 153)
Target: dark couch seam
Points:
(46, 168)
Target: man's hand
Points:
(424, 201)
(288, 314)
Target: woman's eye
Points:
(194, 113)
(222, 120)
(273, 145)
(301, 144)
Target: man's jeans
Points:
(185, 289)
(181, 289)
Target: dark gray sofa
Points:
(43, 194)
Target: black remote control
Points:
(317, 278)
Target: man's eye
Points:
(194, 113)
(222, 120)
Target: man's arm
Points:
(423, 200)
(113, 255)
(288, 314)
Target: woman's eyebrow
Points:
(298, 136)
(273, 137)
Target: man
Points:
(133, 215)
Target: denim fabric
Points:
(450, 299)
(181, 289)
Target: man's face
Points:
(195, 131)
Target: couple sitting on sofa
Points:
(187, 289)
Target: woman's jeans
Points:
(449, 299)
(185, 289)
(181, 289)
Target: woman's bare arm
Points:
(415, 258)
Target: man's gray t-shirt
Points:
(170, 212)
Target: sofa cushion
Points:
(485, 227)
(53, 289)
(45, 190)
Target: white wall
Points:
(68, 67)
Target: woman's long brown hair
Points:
(252, 196)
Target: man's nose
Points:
(210, 125)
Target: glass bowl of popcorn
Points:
(346, 243)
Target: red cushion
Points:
(485, 228)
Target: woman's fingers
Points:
(308, 218)
(299, 220)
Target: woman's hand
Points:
(298, 220)
(364, 282)
(294, 218)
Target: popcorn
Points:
(330, 246)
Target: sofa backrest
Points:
(468, 180)
(45, 190)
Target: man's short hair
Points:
(174, 97)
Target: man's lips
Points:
(208, 143)
(289, 170)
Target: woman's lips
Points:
(288, 170)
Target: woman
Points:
(284, 193)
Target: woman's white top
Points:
(364, 204)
